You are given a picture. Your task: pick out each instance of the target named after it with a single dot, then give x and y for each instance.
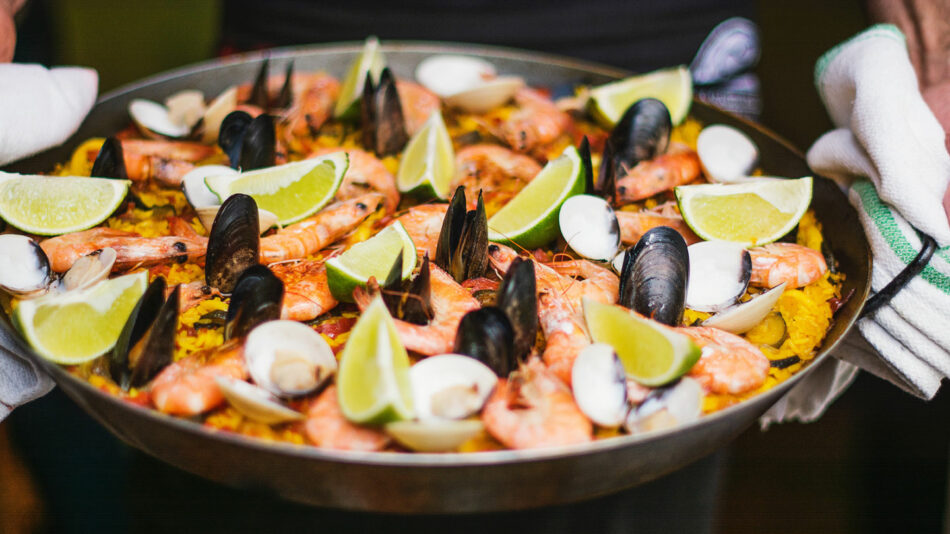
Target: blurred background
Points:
(876, 462)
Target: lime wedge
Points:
(373, 257)
(291, 191)
(530, 218)
(49, 205)
(74, 327)
(674, 87)
(428, 163)
(651, 353)
(373, 379)
(369, 62)
(755, 212)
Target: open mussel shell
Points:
(436, 435)
(742, 317)
(233, 243)
(667, 407)
(486, 334)
(215, 113)
(655, 276)
(518, 298)
(413, 304)
(288, 358)
(259, 95)
(727, 155)
(599, 383)
(642, 133)
(257, 297)
(152, 118)
(719, 274)
(24, 267)
(383, 122)
(450, 386)
(110, 161)
(254, 402)
(231, 135)
(590, 227)
(146, 344)
(462, 247)
(89, 269)
(259, 147)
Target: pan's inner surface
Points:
(449, 482)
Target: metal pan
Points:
(443, 483)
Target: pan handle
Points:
(893, 287)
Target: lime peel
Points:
(427, 165)
(673, 86)
(55, 205)
(371, 258)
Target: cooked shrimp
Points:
(187, 387)
(678, 166)
(450, 302)
(326, 427)
(313, 100)
(533, 409)
(729, 364)
(794, 264)
(306, 289)
(633, 224)
(423, 223)
(495, 170)
(132, 250)
(417, 104)
(310, 235)
(165, 161)
(537, 122)
(364, 173)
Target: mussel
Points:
(720, 272)
(110, 162)
(233, 243)
(250, 143)
(599, 383)
(256, 299)
(231, 135)
(260, 94)
(655, 276)
(411, 302)
(146, 344)
(487, 335)
(518, 298)
(288, 359)
(383, 122)
(24, 267)
(642, 133)
(462, 249)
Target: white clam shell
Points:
(186, 107)
(153, 117)
(599, 383)
(450, 386)
(726, 154)
(89, 269)
(485, 96)
(740, 318)
(448, 74)
(265, 219)
(667, 407)
(195, 188)
(288, 358)
(719, 274)
(441, 435)
(24, 268)
(217, 110)
(590, 227)
(617, 262)
(254, 402)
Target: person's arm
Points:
(926, 23)
(8, 8)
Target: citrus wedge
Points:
(370, 62)
(74, 327)
(674, 87)
(428, 163)
(49, 205)
(373, 380)
(291, 191)
(756, 212)
(373, 257)
(530, 219)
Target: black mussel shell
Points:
(394, 278)
(146, 344)
(584, 150)
(606, 186)
(234, 242)
(642, 133)
(259, 146)
(486, 335)
(462, 249)
(655, 275)
(256, 299)
(110, 162)
(414, 304)
(451, 231)
(231, 135)
(383, 123)
(286, 95)
(259, 96)
(518, 298)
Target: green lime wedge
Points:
(373, 379)
(651, 353)
(754, 213)
(373, 257)
(529, 220)
(428, 163)
(77, 326)
(291, 191)
(370, 62)
(50, 205)
(674, 87)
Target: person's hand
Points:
(8, 8)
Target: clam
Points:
(256, 298)
(590, 227)
(24, 267)
(89, 269)
(487, 335)
(599, 383)
(726, 154)
(254, 402)
(383, 122)
(518, 298)
(233, 243)
(288, 359)
(466, 82)
(146, 344)
(186, 107)
(266, 219)
(197, 191)
(617, 262)
(719, 272)
(655, 276)
(667, 407)
(175, 119)
(487, 95)
(434, 436)
(217, 110)
(450, 386)
(740, 318)
(462, 249)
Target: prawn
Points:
(364, 172)
(794, 264)
(132, 250)
(326, 427)
(306, 289)
(165, 161)
(423, 223)
(678, 166)
(450, 302)
(729, 364)
(310, 235)
(633, 224)
(417, 103)
(497, 171)
(532, 408)
(536, 123)
(188, 387)
(314, 97)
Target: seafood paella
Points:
(457, 262)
